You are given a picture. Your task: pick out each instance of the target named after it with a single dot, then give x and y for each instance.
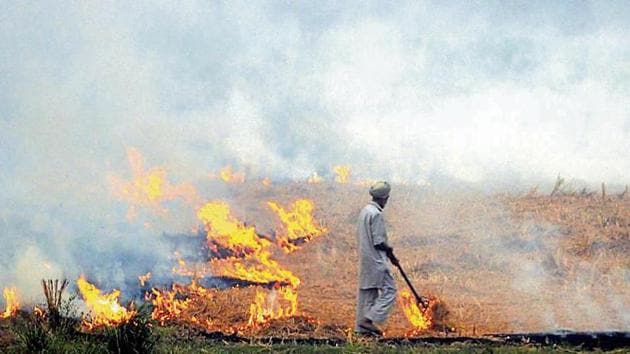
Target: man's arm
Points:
(379, 236)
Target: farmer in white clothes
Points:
(377, 290)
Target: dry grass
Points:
(500, 263)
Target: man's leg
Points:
(365, 300)
(383, 304)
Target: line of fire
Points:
(235, 262)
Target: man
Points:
(377, 290)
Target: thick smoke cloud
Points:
(472, 92)
(476, 92)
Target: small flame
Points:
(166, 305)
(366, 182)
(193, 270)
(298, 223)
(315, 178)
(12, 303)
(342, 173)
(39, 312)
(183, 304)
(266, 182)
(143, 279)
(418, 318)
(267, 306)
(105, 309)
(229, 176)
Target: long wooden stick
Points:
(419, 299)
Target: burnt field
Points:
(503, 268)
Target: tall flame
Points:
(418, 318)
(249, 257)
(148, 188)
(240, 253)
(105, 309)
(227, 232)
(12, 303)
(298, 223)
(342, 173)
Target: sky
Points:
(482, 92)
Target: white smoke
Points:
(427, 92)
(463, 92)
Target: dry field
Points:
(500, 263)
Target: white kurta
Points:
(372, 262)
(377, 289)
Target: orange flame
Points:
(182, 268)
(226, 231)
(267, 306)
(418, 318)
(168, 307)
(12, 303)
(259, 269)
(105, 309)
(228, 176)
(298, 224)
(143, 279)
(240, 253)
(250, 256)
(266, 182)
(342, 173)
(39, 312)
(148, 188)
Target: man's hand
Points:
(391, 256)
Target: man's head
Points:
(380, 192)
